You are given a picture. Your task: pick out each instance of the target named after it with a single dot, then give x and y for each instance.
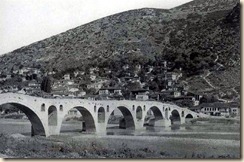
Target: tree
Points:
(34, 76)
(153, 86)
(91, 91)
(133, 86)
(46, 85)
(126, 94)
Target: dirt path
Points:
(205, 78)
(235, 90)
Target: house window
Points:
(61, 107)
(169, 108)
(43, 107)
(133, 107)
(144, 108)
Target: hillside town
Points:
(153, 80)
(135, 82)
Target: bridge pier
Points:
(139, 125)
(182, 120)
(162, 123)
(101, 129)
(53, 130)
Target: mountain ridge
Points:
(190, 38)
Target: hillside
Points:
(198, 37)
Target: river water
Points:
(23, 126)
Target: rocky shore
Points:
(91, 146)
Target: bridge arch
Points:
(188, 118)
(127, 122)
(37, 126)
(157, 114)
(52, 116)
(88, 120)
(139, 113)
(175, 117)
(101, 115)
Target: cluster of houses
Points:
(218, 109)
(23, 73)
(25, 80)
(173, 92)
(100, 88)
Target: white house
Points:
(96, 86)
(142, 97)
(110, 91)
(177, 94)
(81, 93)
(141, 94)
(93, 77)
(73, 90)
(67, 77)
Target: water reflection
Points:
(149, 130)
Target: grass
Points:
(217, 120)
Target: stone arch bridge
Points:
(46, 114)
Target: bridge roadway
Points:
(46, 114)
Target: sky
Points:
(23, 22)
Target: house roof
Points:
(166, 92)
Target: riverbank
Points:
(91, 146)
(201, 139)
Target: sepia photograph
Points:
(120, 79)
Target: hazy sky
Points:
(23, 22)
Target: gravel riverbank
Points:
(191, 143)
